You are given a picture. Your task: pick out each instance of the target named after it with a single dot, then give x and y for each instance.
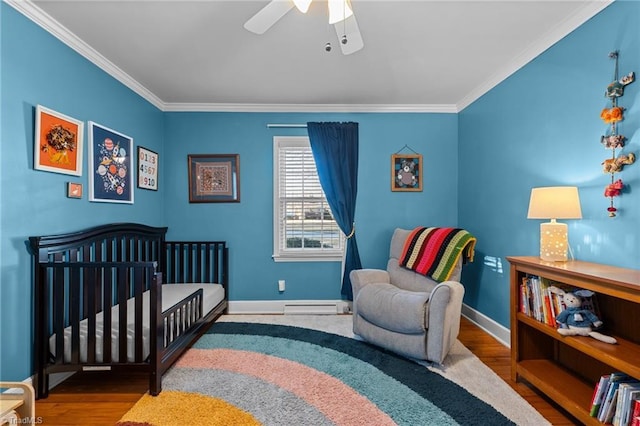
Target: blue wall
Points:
(247, 225)
(539, 127)
(39, 69)
(542, 127)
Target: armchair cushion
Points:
(386, 306)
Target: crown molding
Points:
(37, 15)
(55, 28)
(214, 107)
(554, 35)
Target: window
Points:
(303, 226)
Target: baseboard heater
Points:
(311, 309)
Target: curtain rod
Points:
(270, 126)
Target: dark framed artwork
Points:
(110, 163)
(147, 169)
(406, 172)
(58, 142)
(214, 178)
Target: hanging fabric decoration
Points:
(613, 140)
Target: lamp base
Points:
(553, 241)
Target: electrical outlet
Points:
(281, 285)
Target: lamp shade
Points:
(554, 202)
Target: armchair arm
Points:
(445, 308)
(361, 277)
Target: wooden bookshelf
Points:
(567, 368)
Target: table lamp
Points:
(554, 202)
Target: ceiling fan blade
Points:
(349, 27)
(268, 15)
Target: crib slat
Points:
(207, 256)
(107, 300)
(196, 277)
(123, 294)
(59, 313)
(216, 265)
(74, 311)
(181, 261)
(91, 285)
(139, 277)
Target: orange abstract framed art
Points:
(59, 142)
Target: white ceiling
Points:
(418, 55)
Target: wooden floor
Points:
(99, 400)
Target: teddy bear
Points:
(577, 321)
(406, 175)
(613, 165)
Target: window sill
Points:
(307, 257)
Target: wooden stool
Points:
(16, 406)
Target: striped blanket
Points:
(434, 252)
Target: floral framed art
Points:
(214, 178)
(147, 169)
(406, 172)
(111, 174)
(59, 141)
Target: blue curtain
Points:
(335, 151)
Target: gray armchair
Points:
(404, 311)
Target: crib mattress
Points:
(213, 294)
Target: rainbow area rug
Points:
(265, 374)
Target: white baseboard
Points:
(290, 307)
(498, 331)
(332, 307)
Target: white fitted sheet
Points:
(171, 294)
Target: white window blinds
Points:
(303, 223)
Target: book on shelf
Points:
(634, 407)
(635, 416)
(626, 392)
(609, 404)
(539, 302)
(598, 395)
(610, 410)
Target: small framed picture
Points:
(214, 178)
(406, 172)
(74, 190)
(59, 141)
(111, 174)
(147, 169)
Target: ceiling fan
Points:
(340, 15)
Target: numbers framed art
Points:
(147, 169)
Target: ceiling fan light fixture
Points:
(302, 5)
(339, 10)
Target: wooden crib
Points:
(120, 298)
